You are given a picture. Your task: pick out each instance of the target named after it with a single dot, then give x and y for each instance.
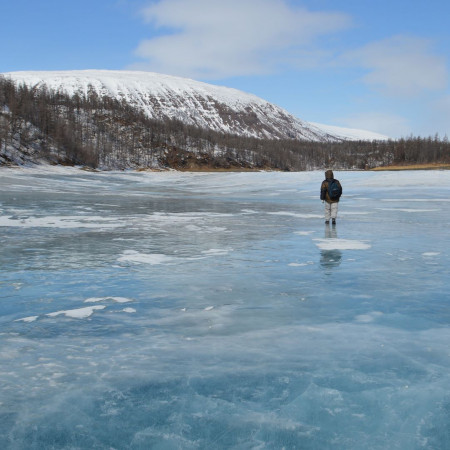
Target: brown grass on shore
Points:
(431, 166)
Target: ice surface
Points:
(180, 310)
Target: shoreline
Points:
(431, 166)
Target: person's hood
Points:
(329, 174)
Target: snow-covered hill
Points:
(195, 103)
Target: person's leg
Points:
(327, 212)
(334, 211)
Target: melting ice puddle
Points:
(341, 244)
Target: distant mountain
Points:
(203, 105)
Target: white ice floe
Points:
(414, 200)
(114, 299)
(216, 252)
(408, 210)
(129, 310)
(341, 244)
(135, 257)
(59, 222)
(27, 319)
(299, 215)
(308, 263)
(430, 254)
(303, 233)
(79, 313)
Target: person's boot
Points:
(333, 221)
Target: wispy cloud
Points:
(401, 66)
(218, 39)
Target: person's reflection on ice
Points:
(331, 257)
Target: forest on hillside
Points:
(38, 125)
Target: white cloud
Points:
(217, 38)
(401, 66)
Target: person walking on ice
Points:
(330, 193)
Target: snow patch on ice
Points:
(134, 257)
(414, 200)
(114, 299)
(408, 210)
(299, 215)
(341, 244)
(216, 252)
(79, 313)
(27, 319)
(59, 222)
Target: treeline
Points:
(102, 132)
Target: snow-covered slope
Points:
(192, 102)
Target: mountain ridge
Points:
(208, 106)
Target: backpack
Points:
(334, 189)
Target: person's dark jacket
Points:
(329, 176)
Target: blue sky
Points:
(378, 65)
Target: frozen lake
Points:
(217, 311)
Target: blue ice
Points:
(209, 311)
